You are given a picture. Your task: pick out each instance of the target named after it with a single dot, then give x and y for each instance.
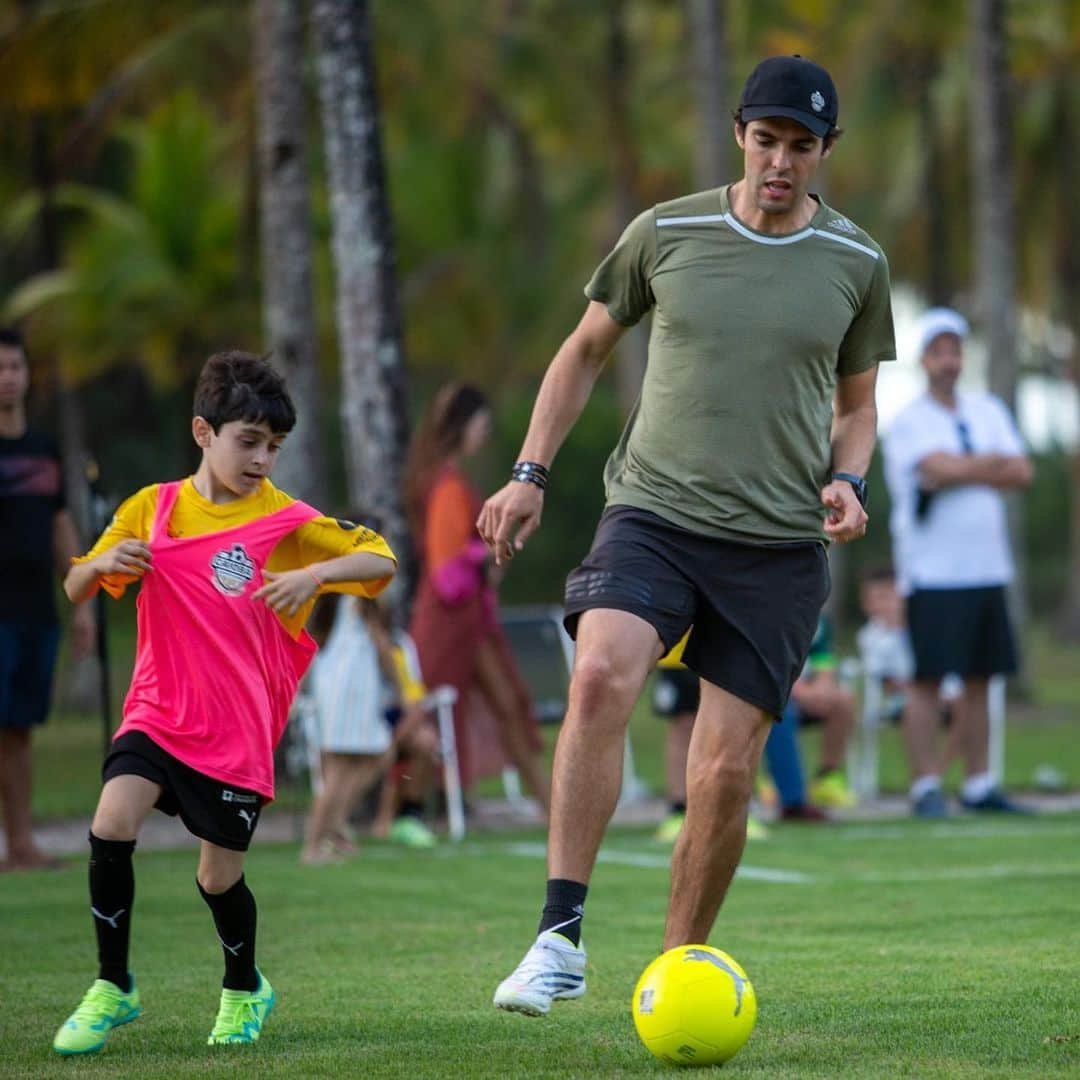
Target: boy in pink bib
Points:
(229, 568)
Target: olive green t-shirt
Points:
(730, 434)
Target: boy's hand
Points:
(131, 557)
(286, 592)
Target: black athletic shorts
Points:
(221, 813)
(754, 609)
(961, 632)
(675, 691)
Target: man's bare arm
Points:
(942, 470)
(512, 514)
(854, 432)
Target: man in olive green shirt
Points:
(743, 457)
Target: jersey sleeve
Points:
(133, 520)
(325, 538)
(622, 282)
(412, 690)
(870, 338)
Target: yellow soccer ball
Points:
(694, 1006)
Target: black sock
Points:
(112, 893)
(235, 917)
(411, 809)
(564, 908)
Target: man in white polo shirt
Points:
(948, 457)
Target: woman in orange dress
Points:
(455, 624)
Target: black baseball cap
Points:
(791, 86)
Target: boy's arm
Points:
(120, 555)
(287, 591)
(129, 558)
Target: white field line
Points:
(958, 831)
(655, 861)
(995, 871)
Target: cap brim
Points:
(816, 124)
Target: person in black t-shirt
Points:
(37, 540)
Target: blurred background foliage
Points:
(129, 214)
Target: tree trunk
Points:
(992, 175)
(634, 346)
(285, 229)
(939, 278)
(373, 383)
(995, 240)
(707, 22)
(1068, 262)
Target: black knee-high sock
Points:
(564, 908)
(112, 893)
(235, 917)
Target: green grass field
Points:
(896, 949)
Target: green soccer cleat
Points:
(411, 832)
(241, 1014)
(103, 1007)
(831, 790)
(667, 832)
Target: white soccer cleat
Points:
(552, 970)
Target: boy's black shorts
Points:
(675, 691)
(221, 813)
(754, 609)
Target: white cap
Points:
(940, 320)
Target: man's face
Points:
(241, 455)
(14, 377)
(780, 158)
(943, 361)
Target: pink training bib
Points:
(215, 671)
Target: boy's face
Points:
(880, 600)
(241, 455)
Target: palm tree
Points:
(373, 384)
(285, 226)
(707, 20)
(994, 201)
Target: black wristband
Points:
(857, 483)
(530, 472)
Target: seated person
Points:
(363, 714)
(821, 698)
(675, 694)
(884, 646)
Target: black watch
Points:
(857, 482)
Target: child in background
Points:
(364, 710)
(229, 568)
(884, 646)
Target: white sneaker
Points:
(552, 970)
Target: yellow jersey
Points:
(315, 541)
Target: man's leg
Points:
(16, 784)
(921, 721)
(980, 792)
(971, 715)
(676, 748)
(725, 749)
(615, 653)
